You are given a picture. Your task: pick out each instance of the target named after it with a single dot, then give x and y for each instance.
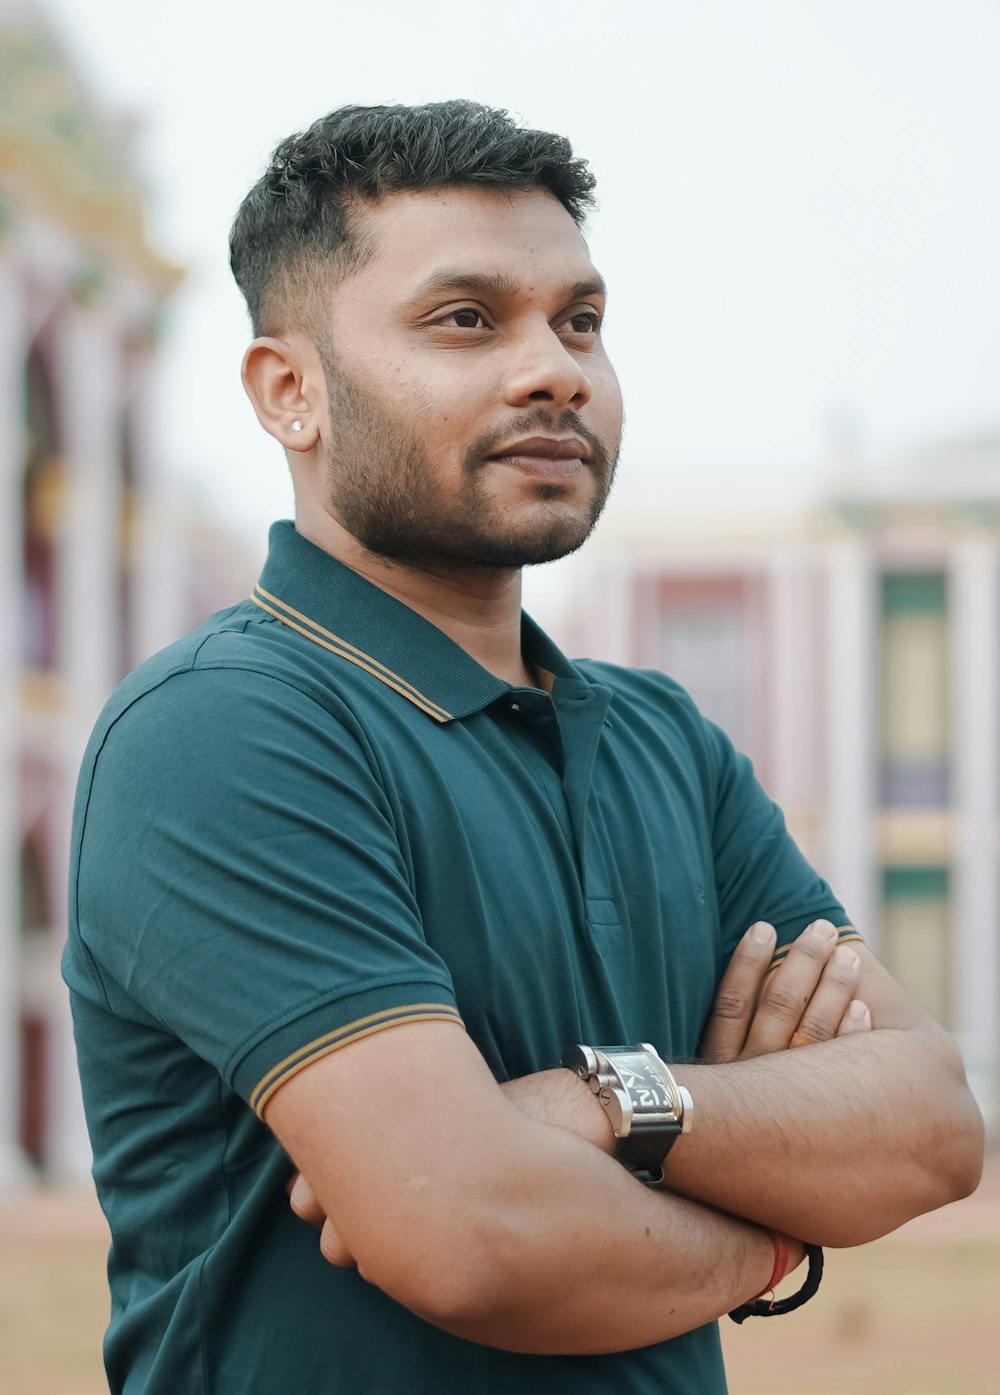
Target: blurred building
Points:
(99, 566)
(852, 651)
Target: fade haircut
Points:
(294, 236)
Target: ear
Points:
(284, 381)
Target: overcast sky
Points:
(799, 207)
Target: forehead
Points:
(526, 236)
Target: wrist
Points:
(562, 1100)
(647, 1108)
(783, 1261)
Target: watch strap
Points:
(645, 1146)
(644, 1135)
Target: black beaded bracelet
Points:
(762, 1307)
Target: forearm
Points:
(838, 1143)
(490, 1222)
(598, 1262)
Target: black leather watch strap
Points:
(643, 1151)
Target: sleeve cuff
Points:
(845, 934)
(327, 1027)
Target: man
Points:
(357, 862)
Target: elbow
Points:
(956, 1145)
(946, 1155)
(461, 1299)
(963, 1151)
(944, 1165)
(451, 1280)
(485, 1283)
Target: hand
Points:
(807, 998)
(305, 1205)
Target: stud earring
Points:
(296, 425)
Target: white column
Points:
(13, 1168)
(851, 701)
(159, 560)
(88, 374)
(974, 613)
(793, 680)
(67, 1144)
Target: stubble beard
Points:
(381, 486)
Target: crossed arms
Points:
(497, 1213)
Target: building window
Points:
(915, 697)
(708, 633)
(916, 935)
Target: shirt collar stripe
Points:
(343, 650)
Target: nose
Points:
(542, 369)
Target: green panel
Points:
(915, 883)
(910, 593)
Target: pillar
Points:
(974, 614)
(89, 376)
(851, 692)
(13, 1167)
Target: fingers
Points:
(826, 1009)
(736, 998)
(333, 1249)
(856, 1019)
(790, 990)
(303, 1201)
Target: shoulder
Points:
(233, 687)
(234, 653)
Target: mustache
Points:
(567, 424)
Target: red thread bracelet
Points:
(782, 1256)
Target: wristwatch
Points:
(647, 1108)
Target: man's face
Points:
(474, 416)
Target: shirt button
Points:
(515, 707)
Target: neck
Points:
(480, 610)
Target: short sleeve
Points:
(760, 874)
(240, 879)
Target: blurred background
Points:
(799, 223)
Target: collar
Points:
(354, 620)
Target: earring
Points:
(296, 425)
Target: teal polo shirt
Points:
(317, 817)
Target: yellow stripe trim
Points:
(343, 650)
(328, 634)
(344, 1036)
(845, 935)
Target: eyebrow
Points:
(497, 286)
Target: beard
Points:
(382, 487)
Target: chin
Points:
(535, 548)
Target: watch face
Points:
(642, 1080)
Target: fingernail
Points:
(823, 931)
(844, 954)
(857, 1010)
(761, 933)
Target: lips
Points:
(544, 448)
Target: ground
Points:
(914, 1314)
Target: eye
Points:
(585, 322)
(466, 317)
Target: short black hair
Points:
(294, 228)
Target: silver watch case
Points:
(636, 1088)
